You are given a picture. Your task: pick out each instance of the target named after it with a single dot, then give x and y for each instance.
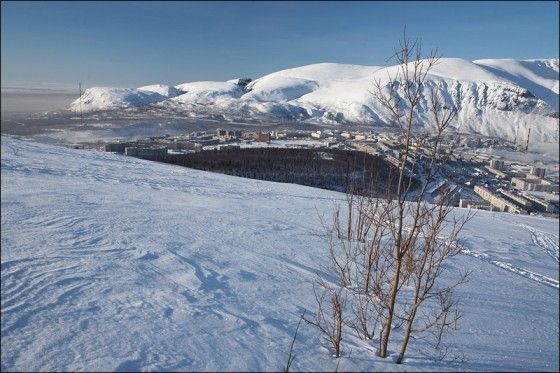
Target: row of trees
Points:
(332, 169)
(388, 254)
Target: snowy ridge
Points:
(105, 98)
(493, 97)
(114, 263)
(206, 92)
(538, 76)
(164, 90)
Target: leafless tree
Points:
(329, 315)
(425, 266)
(416, 226)
(389, 252)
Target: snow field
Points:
(114, 263)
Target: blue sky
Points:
(129, 44)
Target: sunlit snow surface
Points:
(114, 263)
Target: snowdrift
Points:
(111, 263)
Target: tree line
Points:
(332, 169)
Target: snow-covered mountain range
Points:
(497, 97)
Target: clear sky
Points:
(128, 44)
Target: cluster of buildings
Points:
(219, 139)
(469, 179)
(160, 146)
(473, 180)
(516, 191)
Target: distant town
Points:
(473, 180)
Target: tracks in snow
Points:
(543, 241)
(546, 243)
(537, 277)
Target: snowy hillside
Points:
(164, 90)
(493, 97)
(207, 92)
(105, 98)
(114, 263)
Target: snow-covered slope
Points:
(538, 76)
(206, 92)
(164, 90)
(106, 98)
(114, 263)
(493, 97)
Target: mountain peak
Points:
(500, 97)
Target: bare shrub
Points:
(291, 356)
(389, 252)
(418, 247)
(329, 315)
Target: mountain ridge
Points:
(497, 97)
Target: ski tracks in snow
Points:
(537, 277)
(546, 243)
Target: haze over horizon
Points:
(55, 45)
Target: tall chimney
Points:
(81, 112)
(528, 134)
